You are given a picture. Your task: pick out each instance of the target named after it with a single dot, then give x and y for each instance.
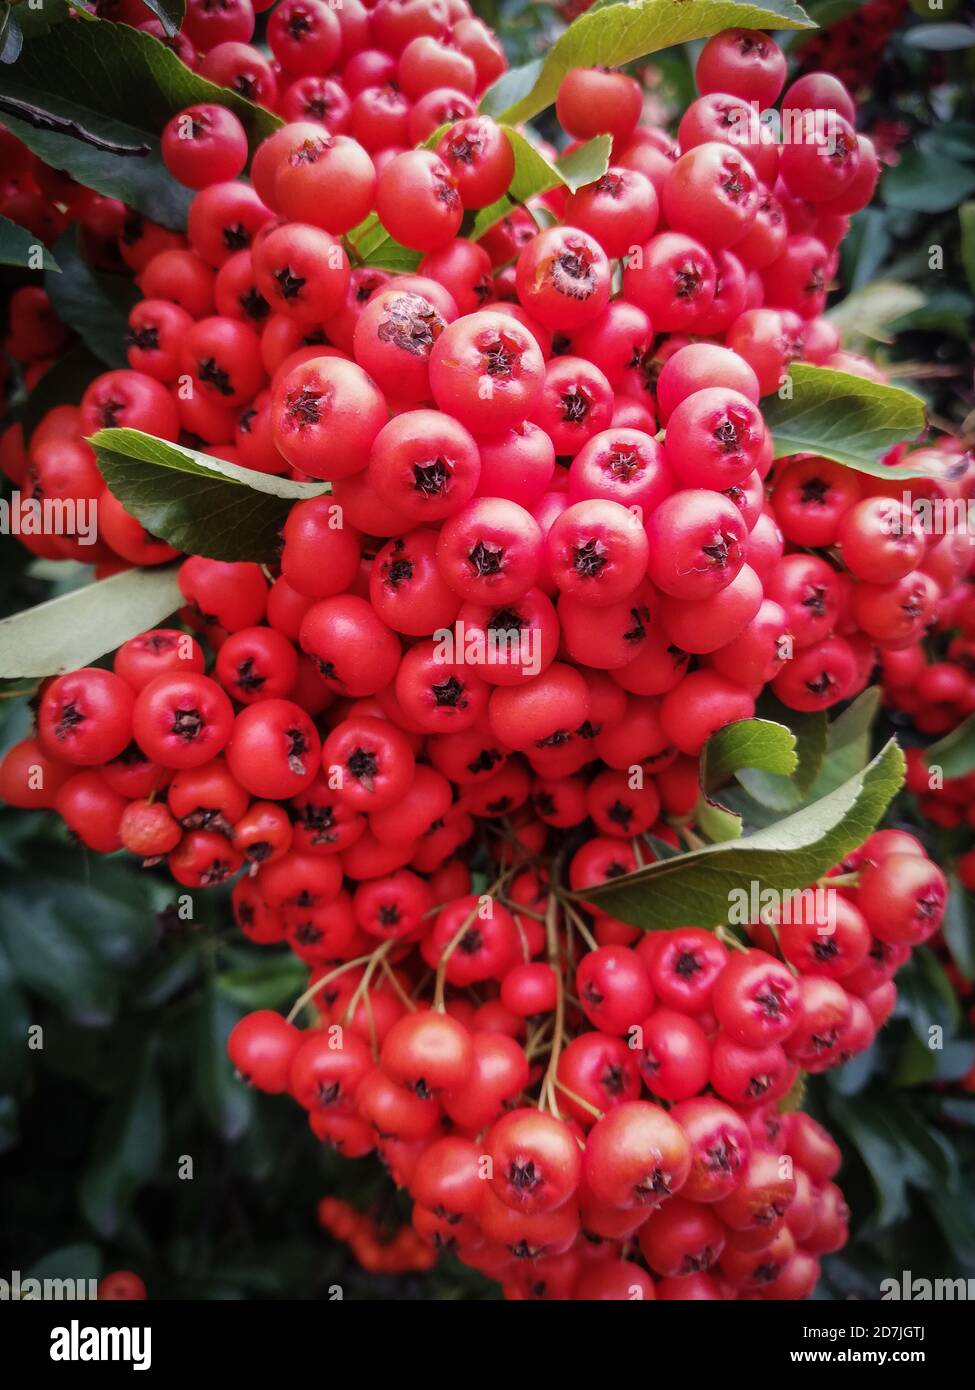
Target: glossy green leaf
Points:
(272, 983)
(81, 626)
(868, 313)
(109, 90)
(14, 1022)
(11, 39)
(611, 35)
(94, 304)
(955, 753)
(846, 418)
(924, 182)
(128, 1147)
(754, 743)
(49, 955)
(225, 1099)
(19, 246)
(696, 887)
(82, 1261)
(958, 927)
(200, 504)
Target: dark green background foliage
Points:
(135, 1003)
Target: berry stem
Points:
(547, 1095)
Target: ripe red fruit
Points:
(274, 749)
(428, 1052)
(636, 1156)
(418, 201)
(563, 278)
(326, 413)
(674, 1057)
(536, 1161)
(903, 898)
(182, 720)
(756, 999)
(204, 144)
(697, 543)
(85, 717)
(614, 989)
(262, 1047)
(745, 62)
(592, 101)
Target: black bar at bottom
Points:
(287, 1338)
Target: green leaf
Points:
(754, 743)
(271, 984)
(940, 38)
(925, 997)
(11, 41)
(789, 793)
(748, 743)
(534, 175)
(198, 503)
(868, 313)
(848, 740)
(866, 248)
(127, 1150)
(102, 84)
(717, 823)
(966, 216)
(169, 13)
(372, 245)
(945, 311)
(955, 753)
(225, 1100)
(14, 1023)
(82, 1261)
(897, 1148)
(863, 1122)
(81, 626)
(610, 35)
(697, 887)
(64, 383)
(94, 304)
(115, 900)
(51, 956)
(958, 927)
(18, 246)
(920, 183)
(846, 418)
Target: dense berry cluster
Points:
(657, 1128)
(854, 47)
(374, 1247)
(555, 557)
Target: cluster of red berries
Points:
(373, 1247)
(854, 47)
(513, 623)
(937, 694)
(947, 802)
(654, 1129)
